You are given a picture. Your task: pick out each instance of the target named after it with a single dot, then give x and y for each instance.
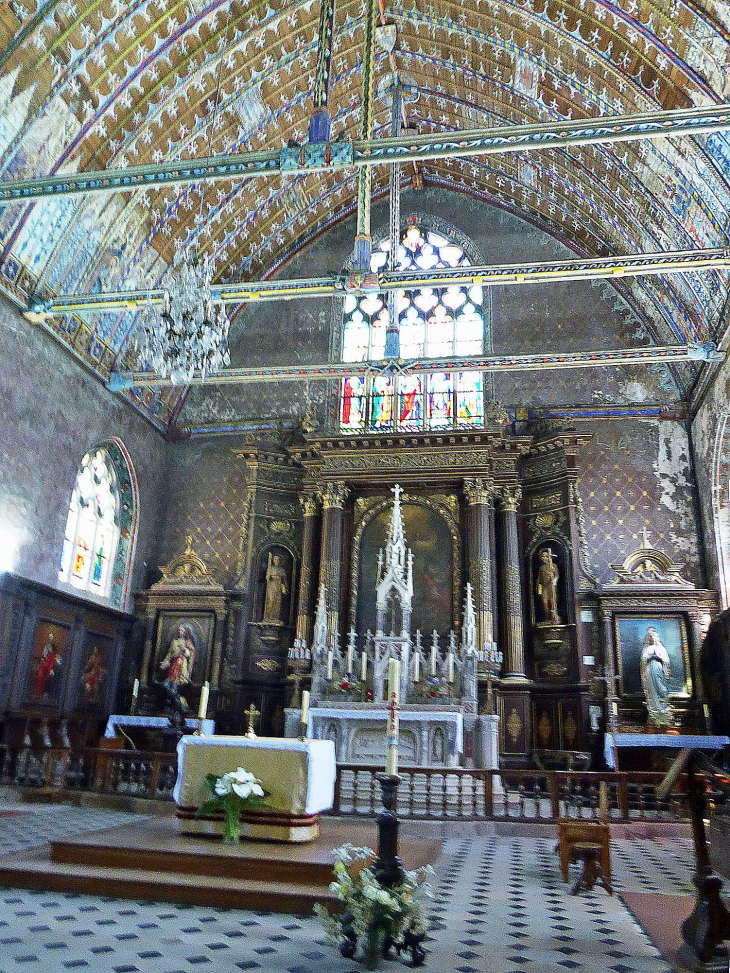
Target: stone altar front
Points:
(428, 737)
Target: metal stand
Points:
(302, 732)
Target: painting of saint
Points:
(652, 656)
(93, 676)
(47, 662)
(180, 657)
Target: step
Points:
(38, 871)
(204, 858)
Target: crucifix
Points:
(252, 713)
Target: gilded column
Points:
(479, 495)
(334, 496)
(310, 507)
(510, 604)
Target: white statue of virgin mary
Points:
(655, 669)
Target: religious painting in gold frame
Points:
(183, 647)
(632, 631)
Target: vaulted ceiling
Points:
(88, 84)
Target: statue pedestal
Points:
(486, 747)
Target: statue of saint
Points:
(180, 657)
(546, 586)
(276, 588)
(655, 670)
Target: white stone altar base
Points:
(428, 737)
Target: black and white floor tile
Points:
(500, 907)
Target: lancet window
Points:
(433, 323)
(92, 528)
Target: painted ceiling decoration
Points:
(89, 85)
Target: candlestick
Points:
(417, 668)
(305, 705)
(391, 763)
(203, 707)
(364, 666)
(330, 660)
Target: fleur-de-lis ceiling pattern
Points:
(87, 84)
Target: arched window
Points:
(433, 323)
(101, 526)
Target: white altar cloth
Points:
(300, 775)
(153, 723)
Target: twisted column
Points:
(479, 494)
(510, 604)
(334, 496)
(309, 501)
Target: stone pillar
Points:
(333, 502)
(510, 608)
(479, 494)
(310, 507)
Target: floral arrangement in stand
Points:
(375, 918)
(233, 793)
(347, 685)
(433, 687)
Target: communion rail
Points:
(428, 793)
(444, 794)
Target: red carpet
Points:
(661, 918)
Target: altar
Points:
(300, 775)
(664, 741)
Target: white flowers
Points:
(241, 782)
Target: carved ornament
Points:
(185, 569)
(310, 503)
(649, 566)
(510, 497)
(334, 496)
(479, 489)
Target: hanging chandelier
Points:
(190, 335)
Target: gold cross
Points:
(252, 713)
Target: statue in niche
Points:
(276, 588)
(655, 670)
(546, 586)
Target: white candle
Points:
(391, 763)
(203, 708)
(349, 659)
(451, 667)
(135, 690)
(305, 706)
(330, 660)
(364, 667)
(433, 660)
(417, 668)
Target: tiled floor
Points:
(500, 907)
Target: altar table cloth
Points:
(153, 723)
(300, 774)
(670, 741)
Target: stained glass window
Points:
(433, 323)
(92, 527)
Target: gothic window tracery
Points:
(92, 531)
(433, 323)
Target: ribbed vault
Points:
(86, 84)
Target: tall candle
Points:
(135, 690)
(330, 660)
(391, 763)
(451, 667)
(364, 666)
(203, 708)
(433, 660)
(305, 706)
(417, 668)
(349, 659)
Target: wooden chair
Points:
(576, 831)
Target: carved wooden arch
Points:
(451, 522)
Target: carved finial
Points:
(645, 543)
(189, 544)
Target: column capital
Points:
(310, 501)
(334, 496)
(479, 489)
(510, 497)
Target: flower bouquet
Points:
(375, 918)
(233, 793)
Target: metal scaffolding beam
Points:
(324, 157)
(667, 354)
(492, 275)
